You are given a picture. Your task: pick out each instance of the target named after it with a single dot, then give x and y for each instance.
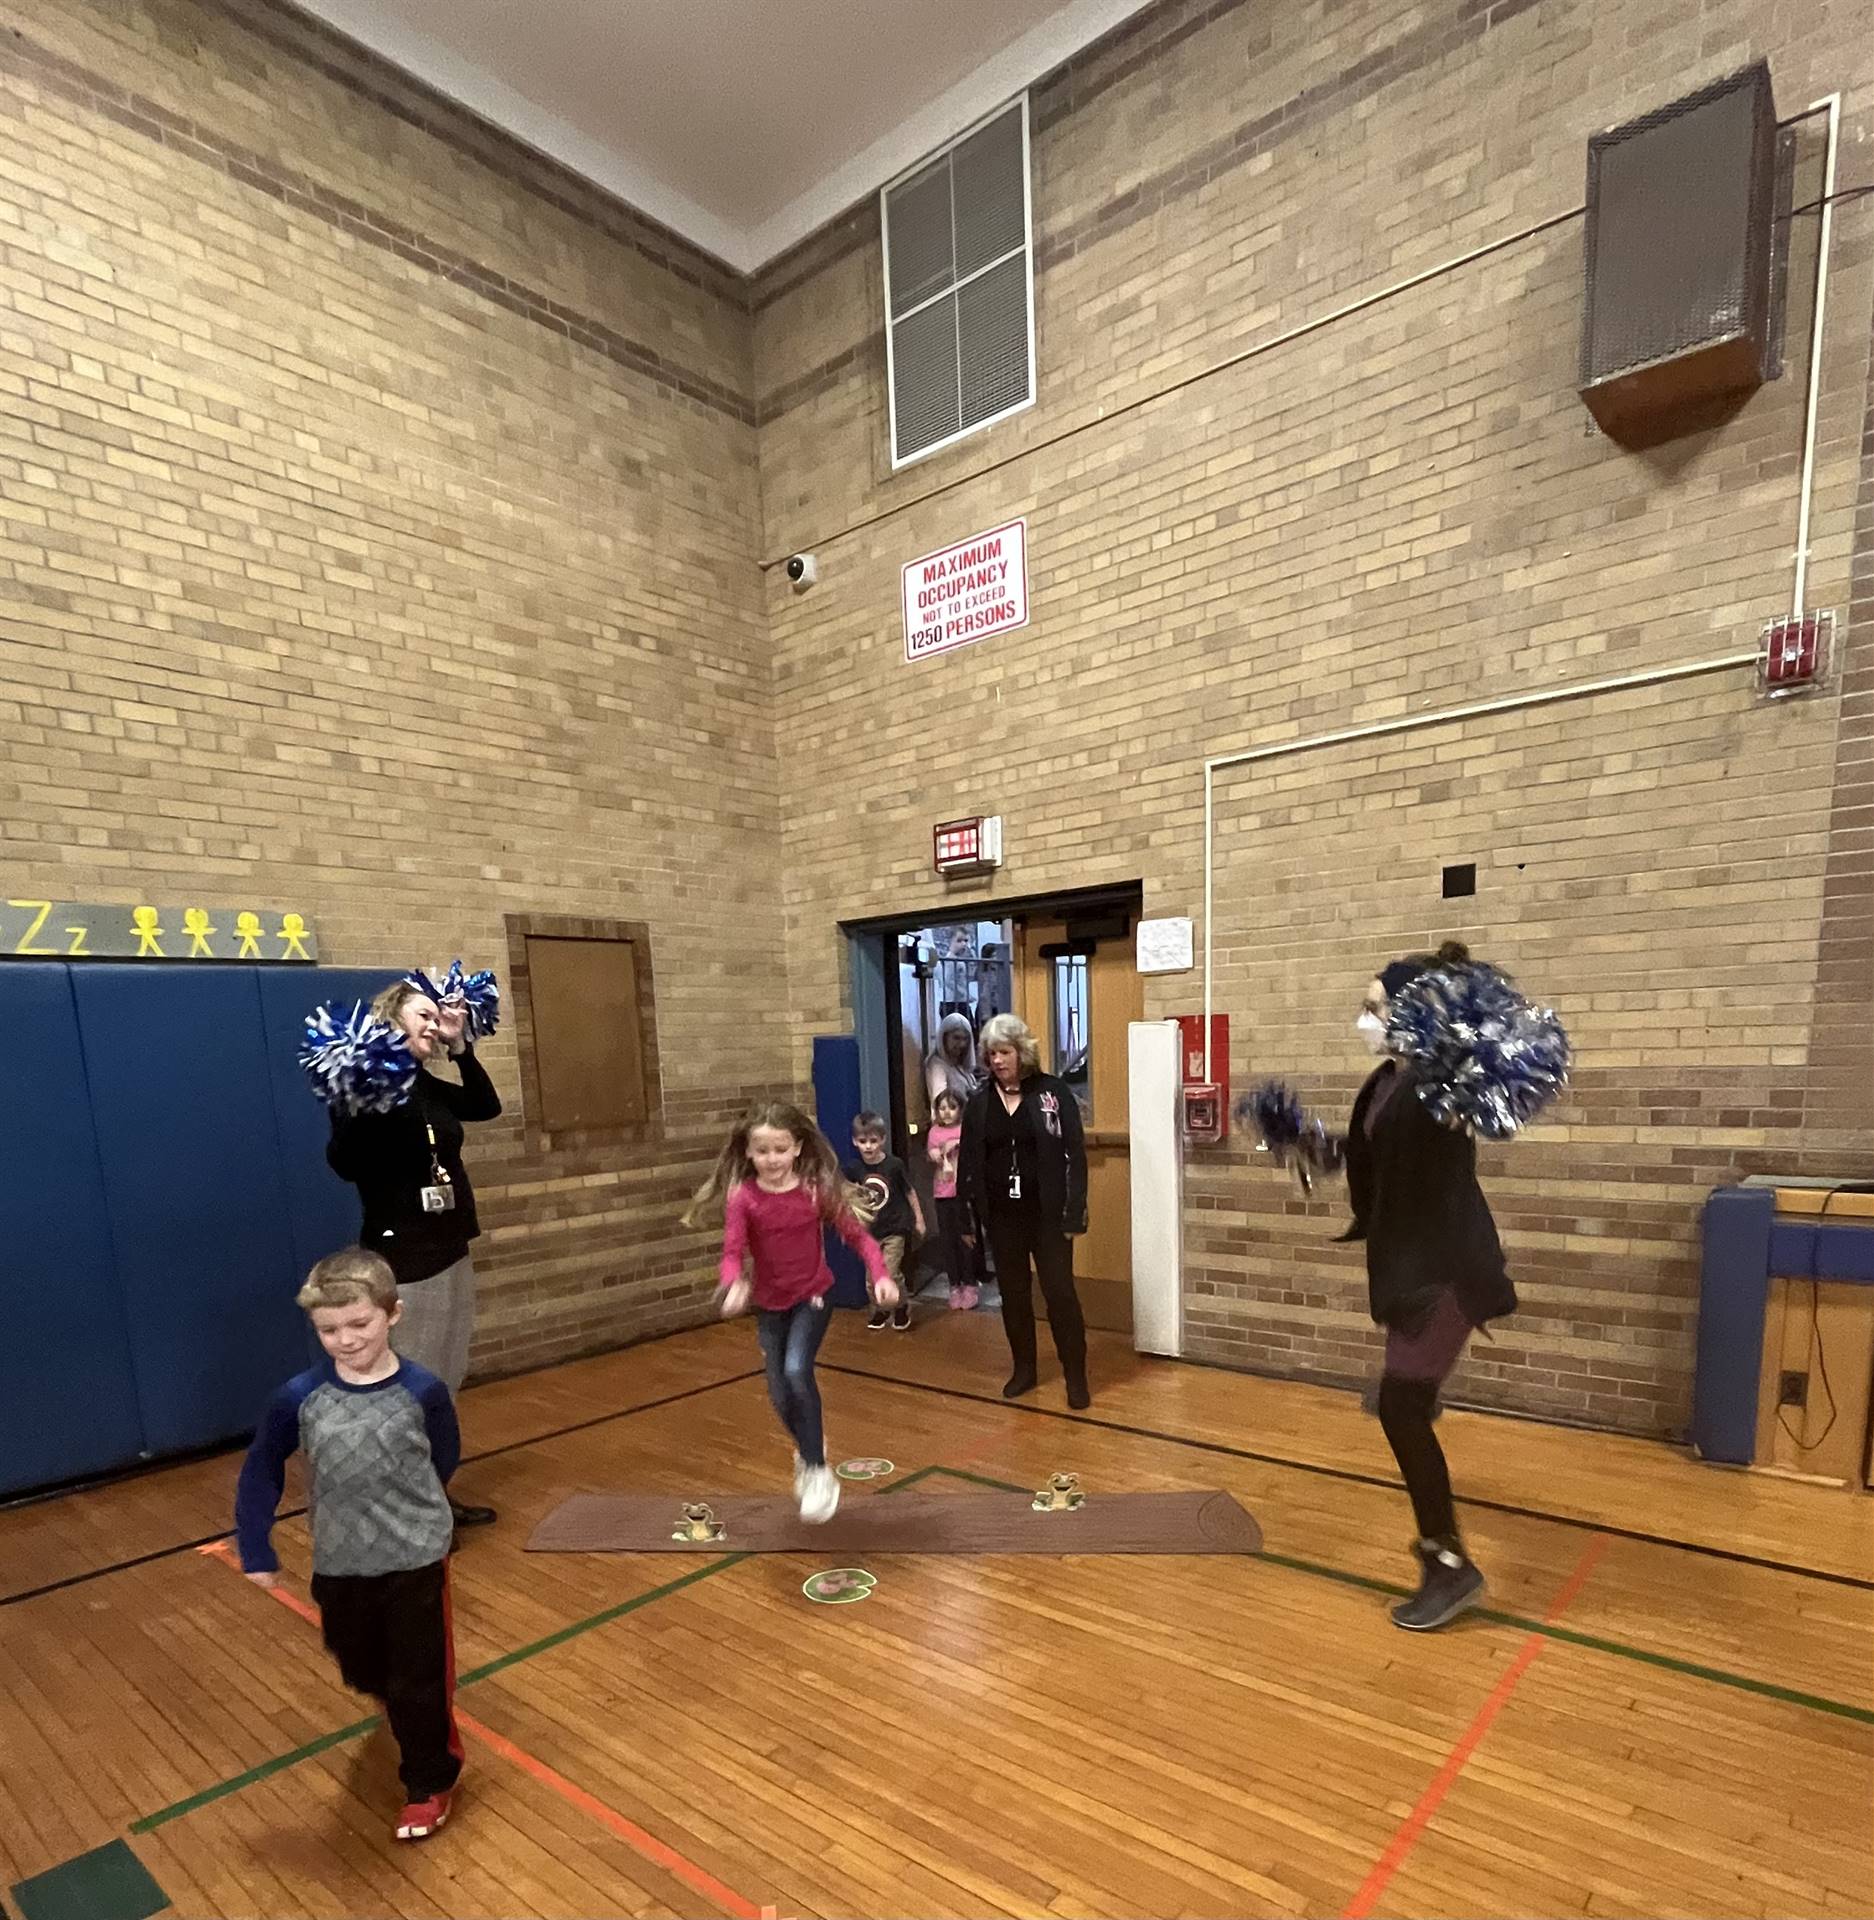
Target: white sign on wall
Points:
(967, 592)
(1164, 946)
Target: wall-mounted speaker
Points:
(1679, 243)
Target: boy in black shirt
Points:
(892, 1203)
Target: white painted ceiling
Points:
(743, 124)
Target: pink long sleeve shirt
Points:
(783, 1233)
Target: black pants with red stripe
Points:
(392, 1638)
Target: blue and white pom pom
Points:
(1289, 1134)
(1487, 1061)
(475, 993)
(355, 1062)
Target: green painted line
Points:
(1595, 1643)
(339, 1736)
(1619, 1649)
(1768, 1689)
(150, 1822)
(604, 1619)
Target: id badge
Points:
(1015, 1186)
(439, 1199)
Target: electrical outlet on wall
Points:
(1793, 1390)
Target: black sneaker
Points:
(881, 1318)
(1448, 1584)
(472, 1516)
(901, 1317)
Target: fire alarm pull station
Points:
(1203, 1113)
(967, 846)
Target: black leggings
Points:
(1406, 1410)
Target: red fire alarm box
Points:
(1203, 1113)
(1203, 1079)
(1795, 653)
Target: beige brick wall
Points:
(350, 558)
(1400, 510)
(361, 471)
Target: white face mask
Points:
(1372, 1029)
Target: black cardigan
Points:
(386, 1156)
(1418, 1207)
(1060, 1153)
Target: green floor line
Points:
(1619, 1649)
(280, 1762)
(1595, 1643)
(151, 1821)
(604, 1619)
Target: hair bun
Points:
(1454, 953)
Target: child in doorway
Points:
(889, 1204)
(779, 1184)
(381, 1442)
(953, 1212)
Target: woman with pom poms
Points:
(1435, 1267)
(419, 1208)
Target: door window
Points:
(1073, 1027)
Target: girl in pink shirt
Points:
(780, 1187)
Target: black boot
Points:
(1021, 1381)
(1077, 1394)
(1448, 1584)
(471, 1516)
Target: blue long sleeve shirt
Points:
(378, 1456)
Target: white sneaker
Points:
(819, 1496)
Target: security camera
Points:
(803, 569)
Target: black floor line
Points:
(1364, 1479)
(294, 1513)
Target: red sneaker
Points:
(421, 1818)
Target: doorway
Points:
(1067, 967)
(1078, 987)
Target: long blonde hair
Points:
(818, 1165)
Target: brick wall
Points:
(376, 515)
(1256, 516)
(379, 517)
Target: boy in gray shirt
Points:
(380, 1439)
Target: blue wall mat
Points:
(68, 1400)
(1739, 1223)
(177, 1064)
(321, 1209)
(836, 1105)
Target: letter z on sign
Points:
(967, 592)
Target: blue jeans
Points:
(789, 1341)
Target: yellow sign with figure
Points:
(66, 930)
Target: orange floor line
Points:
(646, 1845)
(1400, 1846)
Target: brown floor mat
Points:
(913, 1522)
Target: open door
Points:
(1080, 992)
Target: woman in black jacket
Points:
(419, 1208)
(1022, 1165)
(1435, 1273)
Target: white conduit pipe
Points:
(1414, 723)
(1724, 663)
(1831, 103)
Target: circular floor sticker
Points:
(840, 1586)
(865, 1469)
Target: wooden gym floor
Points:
(1669, 1708)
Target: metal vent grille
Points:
(959, 288)
(1677, 248)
